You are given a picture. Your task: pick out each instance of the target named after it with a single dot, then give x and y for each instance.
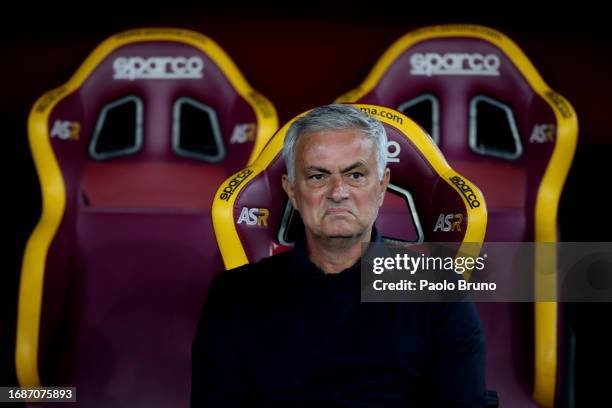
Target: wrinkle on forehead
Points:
(335, 150)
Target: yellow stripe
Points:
(33, 266)
(549, 192)
(52, 184)
(547, 204)
(230, 245)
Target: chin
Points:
(342, 232)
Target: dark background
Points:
(304, 55)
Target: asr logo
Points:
(449, 222)
(66, 130)
(542, 134)
(243, 132)
(254, 216)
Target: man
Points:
(291, 331)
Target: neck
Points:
(333, 255)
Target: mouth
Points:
(338, 211)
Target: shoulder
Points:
(274, 270)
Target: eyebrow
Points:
(344, 170)
(315, 168)
(353, 166)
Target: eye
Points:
(316, 177)
(356, 175)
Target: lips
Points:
(338, 211)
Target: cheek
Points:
(308, 203)
(313, 204)
(371, 202)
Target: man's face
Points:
(337, 190)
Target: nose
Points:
(339, 189)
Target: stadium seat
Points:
(498, 123)
(129, 153)
(253, 218)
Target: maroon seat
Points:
(253, 218)
(499, 124)
(129, 153)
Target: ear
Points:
(289, 190)
(384, 183)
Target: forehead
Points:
(335, 146)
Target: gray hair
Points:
(336, 117)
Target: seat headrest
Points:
(251, 214)
(159, 95)
(454, 71)
(146, 103)
(486, 107)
